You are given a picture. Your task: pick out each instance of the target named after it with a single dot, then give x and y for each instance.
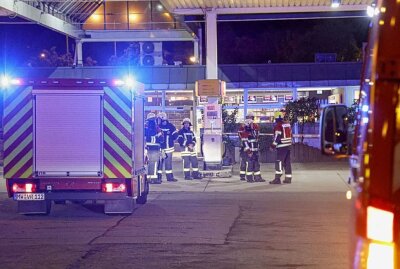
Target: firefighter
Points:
(170, 134)
(187, 140)
(154, 137)
(249, 137)
(282, 142)
(243, 154)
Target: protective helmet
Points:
(162, 115)
(250, 115)
(186, 120)
(150, 115)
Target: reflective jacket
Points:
(186, 137)
(248, 136)
(170, 134)
(282, 135)
(153, 135)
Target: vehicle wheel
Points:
(60, 202)
(142, 199)
(48, 207)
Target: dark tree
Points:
(302, 111)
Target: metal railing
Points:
(257, 76)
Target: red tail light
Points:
(24, 187)
(113, 187)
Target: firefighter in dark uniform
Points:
(243, 154)
(187, 140)
(250, 148)
(170, 134)
(282, 143)
(154, 137)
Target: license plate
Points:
(28, 196)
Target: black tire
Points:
(48, 207)
(60, 202)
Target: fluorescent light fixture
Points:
(335, 3)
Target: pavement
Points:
(214, 223)
(324, 176)
(306, 177)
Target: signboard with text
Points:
(209, 87)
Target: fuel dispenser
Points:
(212, 144)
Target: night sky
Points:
(239, 42)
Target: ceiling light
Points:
(335, 3)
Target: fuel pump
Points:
(212, 144)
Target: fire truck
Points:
(374, 145)
(74, 140)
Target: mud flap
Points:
(34, 207)
(122, 206)
(143, 191)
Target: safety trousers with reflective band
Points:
(165, 163)
(243, 165)
(252, 167)
(152, 167)
(283, 162)
(189, 158)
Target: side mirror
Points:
(333, 130)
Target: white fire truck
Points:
(74, 140)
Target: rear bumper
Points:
(83, 189)
(82, 195)
(85, 196)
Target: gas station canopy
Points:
(263, 6)
(78, 11)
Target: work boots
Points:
(170, 178)
(250, 180)
(196, 175)
(258, 179)
(275, 181)
(287, 180)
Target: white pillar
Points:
(295, 127)
(79, 58)
(211, 41)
